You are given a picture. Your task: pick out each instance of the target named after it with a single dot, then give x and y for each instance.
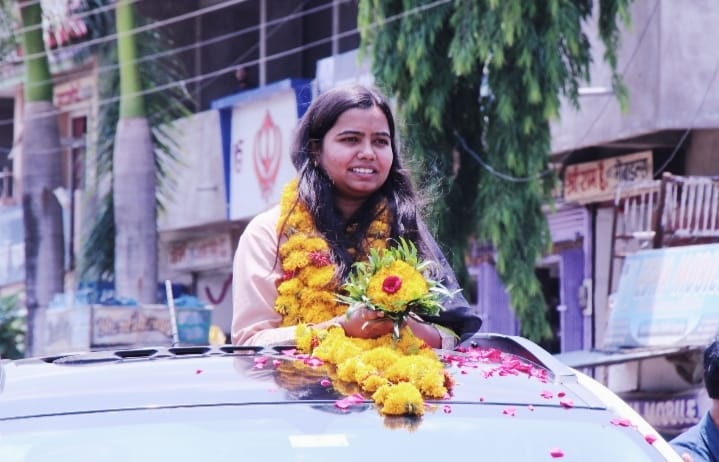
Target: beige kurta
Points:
(256, 270)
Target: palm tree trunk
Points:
(133, 177)
(41, 174)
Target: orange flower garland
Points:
(398, 372)
(307, 289)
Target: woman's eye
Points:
(350, 139)
(382, 142)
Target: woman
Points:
(351, 194)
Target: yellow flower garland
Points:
(306, 291)
(398, 374)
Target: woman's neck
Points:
(348, 207)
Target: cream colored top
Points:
(255, 271)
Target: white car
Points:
(512, 401)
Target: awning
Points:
(594, 358)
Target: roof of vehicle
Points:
(498, 375)
(186, 376)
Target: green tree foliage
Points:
(478, 81)
(12, 328)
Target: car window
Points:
(320, 431)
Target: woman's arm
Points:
(255, 272)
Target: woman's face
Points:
(356, 153)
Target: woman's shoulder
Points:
(264, 222)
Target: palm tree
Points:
(101, 238)
(41, 174)
(133, 186)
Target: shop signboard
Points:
(260, 157)
(86, 327)
(204, 253)
(598, 180)
(258, 127)
(670, 413)
(666, 297)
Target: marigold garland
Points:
(398, 371)
(307, 288)
(398, 375)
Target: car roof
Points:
(495, 369)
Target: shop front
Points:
(662, 316)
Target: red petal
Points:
(650, 438)
(556, 453)
(447, 409)
(546, 394)
(567, 403)
(198, 371)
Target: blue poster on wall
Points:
(666, 297)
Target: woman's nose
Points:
(366, 151)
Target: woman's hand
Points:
(363, 322)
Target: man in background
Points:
(700, 443)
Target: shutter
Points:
(493, 302)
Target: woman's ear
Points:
(315, 152)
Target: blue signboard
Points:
(666, 297)
(670, 413)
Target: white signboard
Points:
(198, 194)
(260, 164)
(209, 252)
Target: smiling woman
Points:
(351, 196)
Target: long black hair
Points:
(315, 189)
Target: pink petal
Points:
(342, 404)
(650, 438)
(325, 382)
(566, 403)
(556, 453)
(621, 422)
(276, 362)
(481, 399)
(546, 394)
(198, 371)
(561, 394)
(261, 360)
(531, 407)
(447, 409)
(511, 411)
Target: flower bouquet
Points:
(397, 283)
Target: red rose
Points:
(391, 284)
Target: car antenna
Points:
(173, 316)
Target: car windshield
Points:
(321, 431)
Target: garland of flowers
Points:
(308, 286)
(398, 372)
